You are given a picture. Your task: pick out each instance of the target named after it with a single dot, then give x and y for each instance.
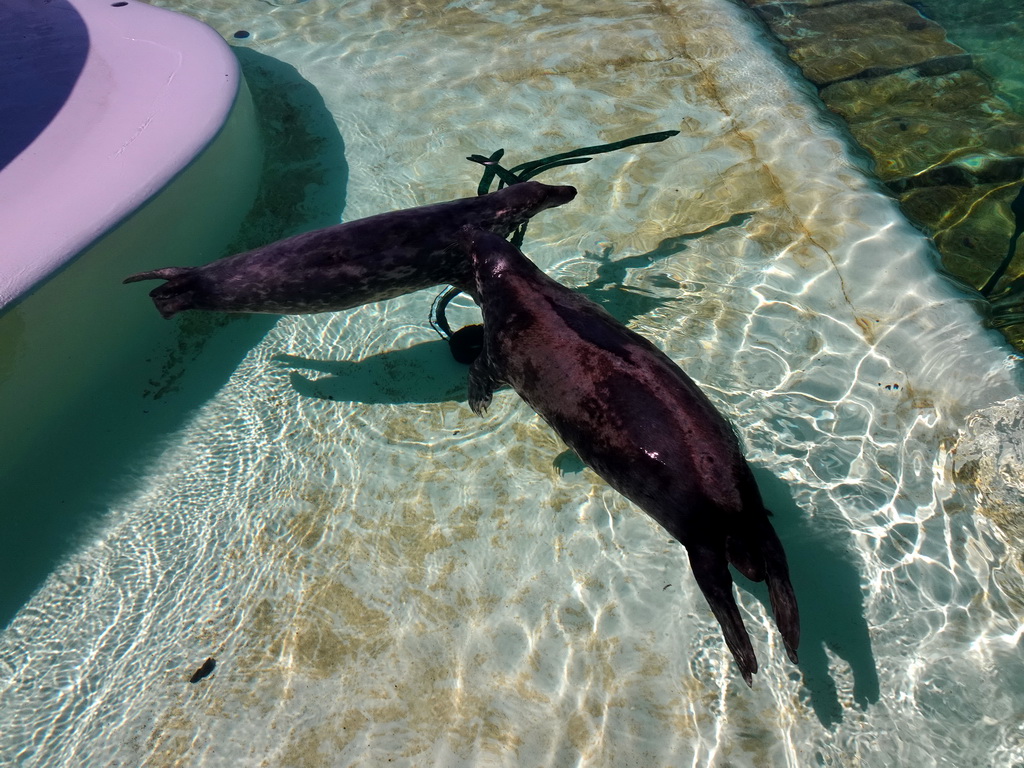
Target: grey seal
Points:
(636, 419)
(354, 263)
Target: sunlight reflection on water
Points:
(384, 576)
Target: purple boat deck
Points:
(102, 104)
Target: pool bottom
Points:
(454, 599)
(381, 575)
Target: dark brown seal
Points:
(638, 420)
(354, 263)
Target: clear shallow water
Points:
(384, 576)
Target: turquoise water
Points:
(990, 30)
(385, 578)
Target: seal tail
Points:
(174, 296)
(167, 273)
(780, 591)
(759, 556)
(711, 570)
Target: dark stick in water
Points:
(466, 346)
(490, 169)
(1017, 208)
(526, 171)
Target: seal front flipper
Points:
(482, 382)
(711, 570)
(466, 343)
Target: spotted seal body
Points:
(354, 263)
(638, 420)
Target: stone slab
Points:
(863, 39)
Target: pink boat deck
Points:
(128, 141)
(102, 103)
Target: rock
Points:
(862, 39)
(971, 226)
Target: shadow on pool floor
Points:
(59, 491)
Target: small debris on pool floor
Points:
(204, 670)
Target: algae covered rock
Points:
(907, 91)
(862, 39)
(987, 457)
(950, 127)
(943, 142)
(971, 226)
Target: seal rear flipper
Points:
(757, 553)
(711, 570)
(745, 555)
(166, 273)
(780, 591)
(174, 296)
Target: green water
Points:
(107, 424)
(990, 31)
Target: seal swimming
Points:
(355, 263)
(638, 420)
